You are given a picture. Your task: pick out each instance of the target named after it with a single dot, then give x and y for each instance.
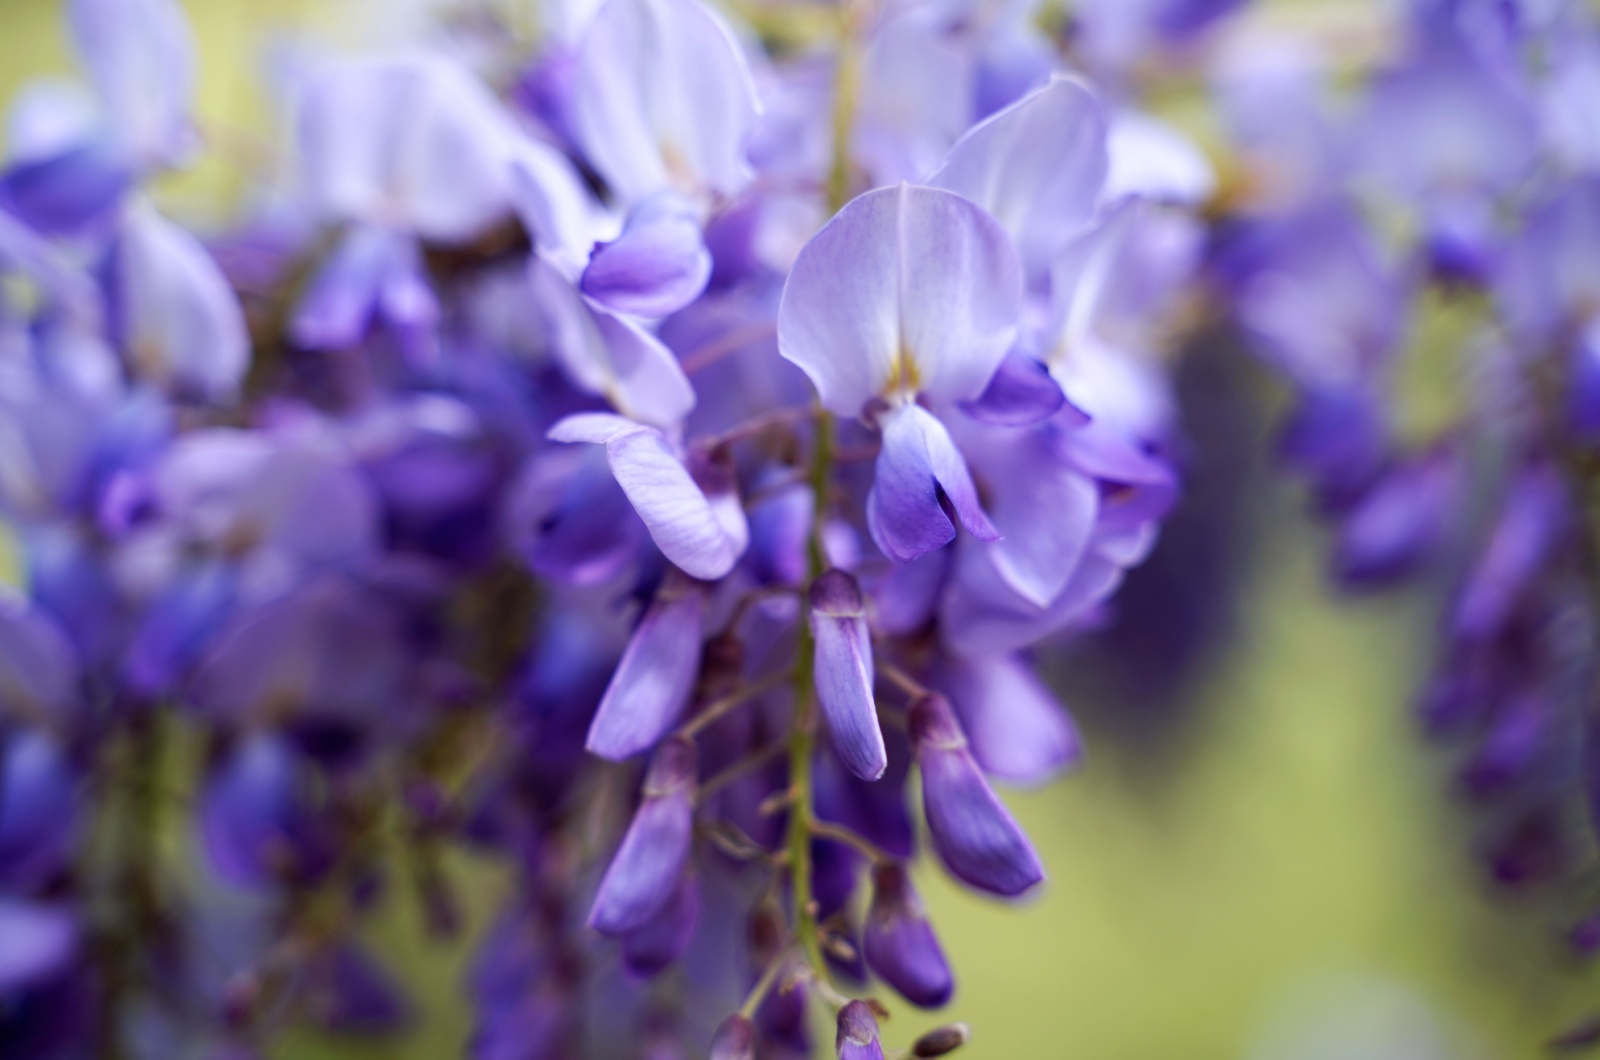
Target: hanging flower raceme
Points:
(471, 495)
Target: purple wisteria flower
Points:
(655, 461)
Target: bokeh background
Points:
(1262, 860)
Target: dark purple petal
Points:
(656, 266)
(1533, 514)
(38, 668)
(1022, 392)
(40, 939)
(353, 994)
(349, 290)
(178, 627)
(247, 811)
(572, 521)
(917, 467)
(975, 835)
(1583, 401)
(1340, 438)
(655, 676)
(645, 873)
(858, 1033)
(38, 809)
(1019, 731)
(68, 192)
(735, 1039)
(1397, 526)
(899, 942)
(649, 949)
(844, 674)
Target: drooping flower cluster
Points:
(1454, 200)
(627, 468)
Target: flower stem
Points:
(802, 735)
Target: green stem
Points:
(847, 82)
(802, 735)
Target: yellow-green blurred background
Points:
(1290, 881)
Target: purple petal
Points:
(1396, 527)
(1446, 120)
(609, 355)
(246, 811)
(858, 1033)
(39, 800)
(1036, 166)
(354, 994)
(974, 834)
(66, 192)
(908, 290)
(699, 526)
(981, 614)
(1552, 277)
(917, 466)
(1045, 517)
(644, 875)
(38, 669)
(551, 199)
(181, 323)
(899, 943)
(844, 675)
(1532, 515)
(656, 266)
(1340, 439)
(178, 626)
(410, 142)
(655, 677)
(663, 99)
(648, 950)
(1019, 731)
(141, 57)
(734, 1040)
(373, 272)
(907, 599)
(579, 526)
(1021, 393)
(40, 940)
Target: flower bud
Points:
(974, 834)
(735, 1039)
(900, 945)
(858, 1033)
(844, 673)
(649, 949)
(655, 677)
(644, 875)
(941, 1040)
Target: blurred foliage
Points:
(1302, 844)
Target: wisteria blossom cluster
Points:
(644, 462)
(631, 455)
(1461, 182)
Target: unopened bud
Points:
(735, 1039)
(942, 1040)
